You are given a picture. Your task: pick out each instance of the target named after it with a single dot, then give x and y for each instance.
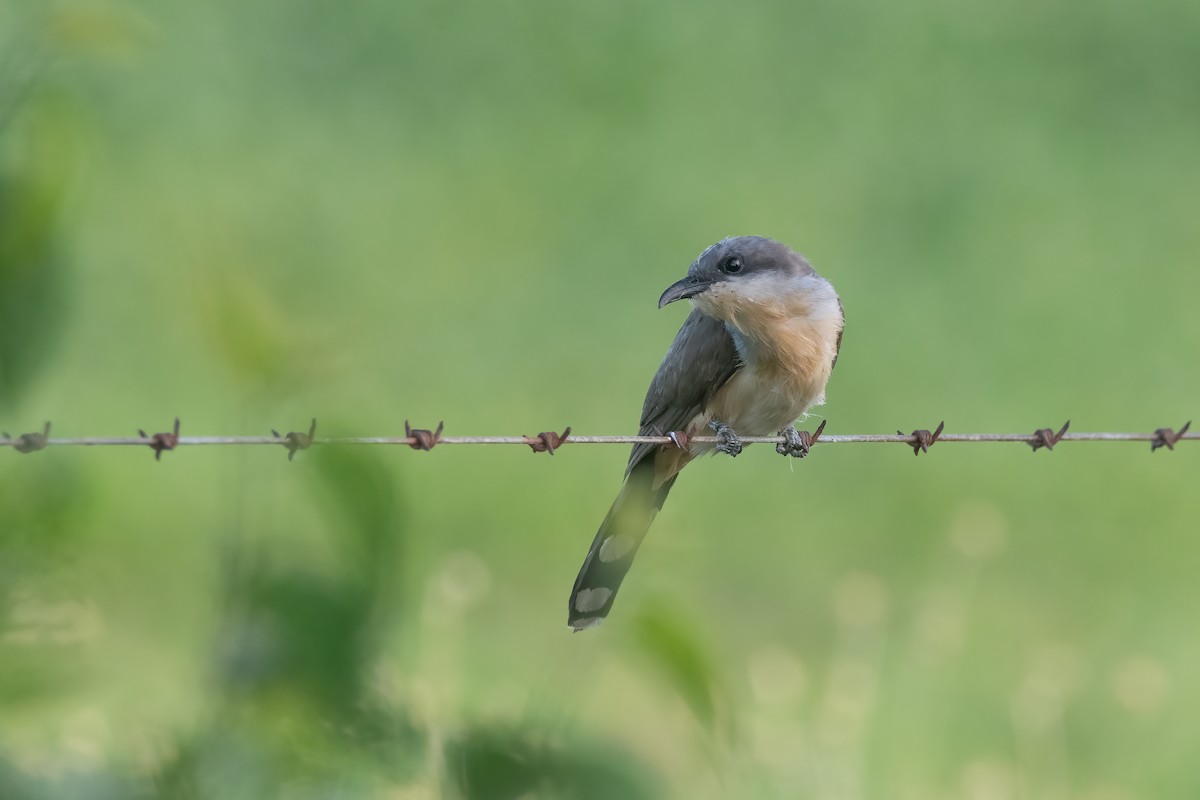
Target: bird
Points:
(752, 357)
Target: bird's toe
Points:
(728, 442)
(794, 444)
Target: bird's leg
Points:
(728, 441)
(795, 443)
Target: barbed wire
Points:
(919, 440)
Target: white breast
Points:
(786, 331)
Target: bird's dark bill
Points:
(681, 290)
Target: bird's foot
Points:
(727, 441)
(797, 443)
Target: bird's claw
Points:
(727, 441)
(794, 444)
(797, 443)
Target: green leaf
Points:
(680, 657)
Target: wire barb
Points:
(1047, 438)
(162, 441)
(548, 441)
(423, 439)
(29, 442)
(677, 438)
(1165, 437)
(922, 439)
(297, 441)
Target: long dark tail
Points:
(612, 551)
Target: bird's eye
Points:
(732, 265)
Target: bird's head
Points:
(749, 268)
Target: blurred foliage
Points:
(248, 215)
(312, 637)
(678, 653)
(98, 785)
(508, 763)
(37, 128)
(248, 333)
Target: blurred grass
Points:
(250, 215)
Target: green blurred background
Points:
(248, 214)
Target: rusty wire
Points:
(920, 440)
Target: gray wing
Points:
(837, 346)
(701, 359)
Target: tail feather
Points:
(612, 551)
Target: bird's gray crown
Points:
(756, 254)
